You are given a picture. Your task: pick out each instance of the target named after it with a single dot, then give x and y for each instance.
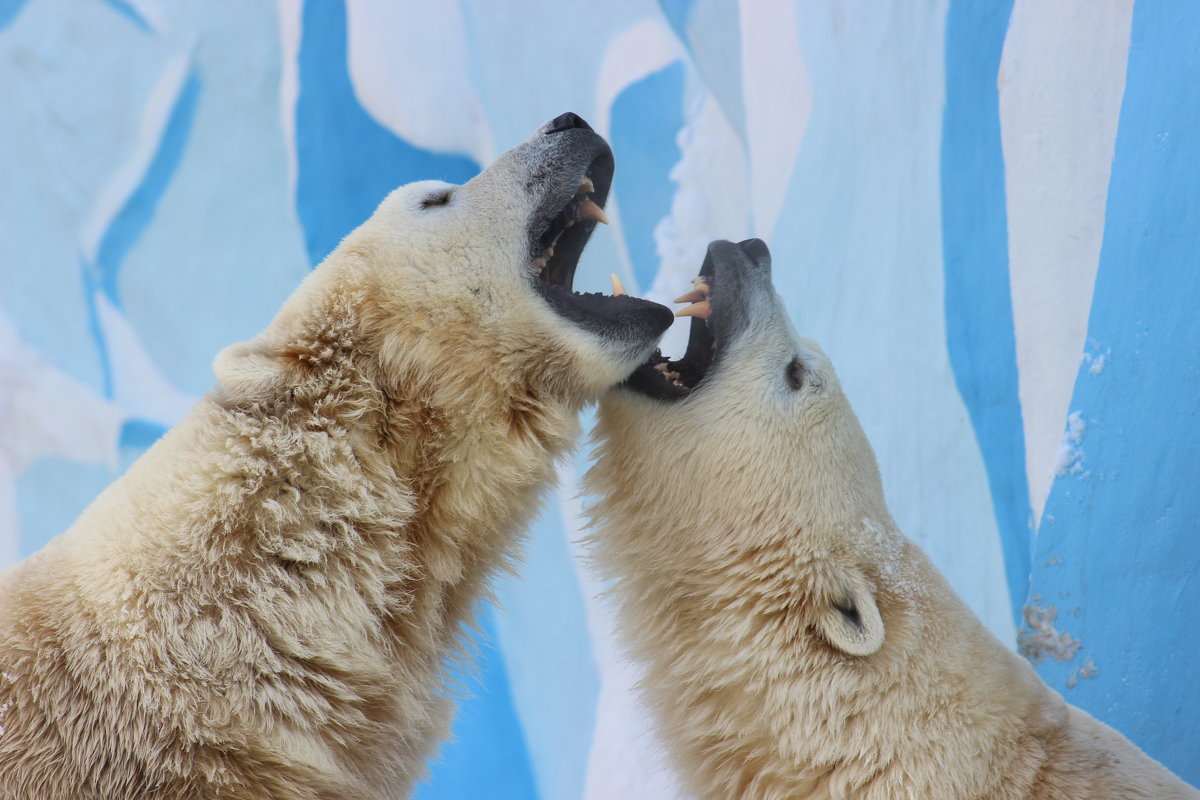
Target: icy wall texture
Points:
(985, 211)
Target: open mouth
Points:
(725, 299)
(663, 378)
(574, 205)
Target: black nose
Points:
(758, 252)
(564, 122)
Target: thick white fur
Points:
(263, 605)
(733, 522)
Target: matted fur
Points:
(735, 522)
(263, 605)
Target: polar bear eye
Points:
(436, 199)
(795, 374)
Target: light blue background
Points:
(171, 170)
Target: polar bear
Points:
(795, 643)
(262, 606)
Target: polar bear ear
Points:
(246, 369)
(850, 620)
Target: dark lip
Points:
(727, 270)
(583, 154)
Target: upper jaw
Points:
(573, 195)
(571, 177)
(722, 300)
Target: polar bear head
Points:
(470, 287)
(746, 445)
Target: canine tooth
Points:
(701, 310)
(694, 296)
(618, 288)
(589, 210)
(586, 185)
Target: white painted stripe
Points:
(10, 529)
(712, 201)
(778, 101)
(44, 412)
(410, 67)
(138, 386)
(290, 29)
(1062, 77)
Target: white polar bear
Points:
(796, 644)
(263, 605)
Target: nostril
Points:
(564, 122)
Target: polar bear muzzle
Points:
(718, 318)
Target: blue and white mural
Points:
(986, 211)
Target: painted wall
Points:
(985, 211)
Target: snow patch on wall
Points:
(1069, 460)
(1040, 640)
(711, 201)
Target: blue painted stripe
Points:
(549, 652)
(711, 32)
(8, 11)
(133, 218)
(979, 322)
(486, 756)
(347, 162)
(677, 13)
(136, 437)
(1118, 551)
(646, 118)
(130, 13)
(90, 288)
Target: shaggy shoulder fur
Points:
(263, 605)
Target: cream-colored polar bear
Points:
(262, 606)
(796, 644)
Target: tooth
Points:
(694, 296)
(589, 210)
(661, 367)
(549, 253)
(700, 280)
(618, 288)
(701, 310)
(586, 185)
